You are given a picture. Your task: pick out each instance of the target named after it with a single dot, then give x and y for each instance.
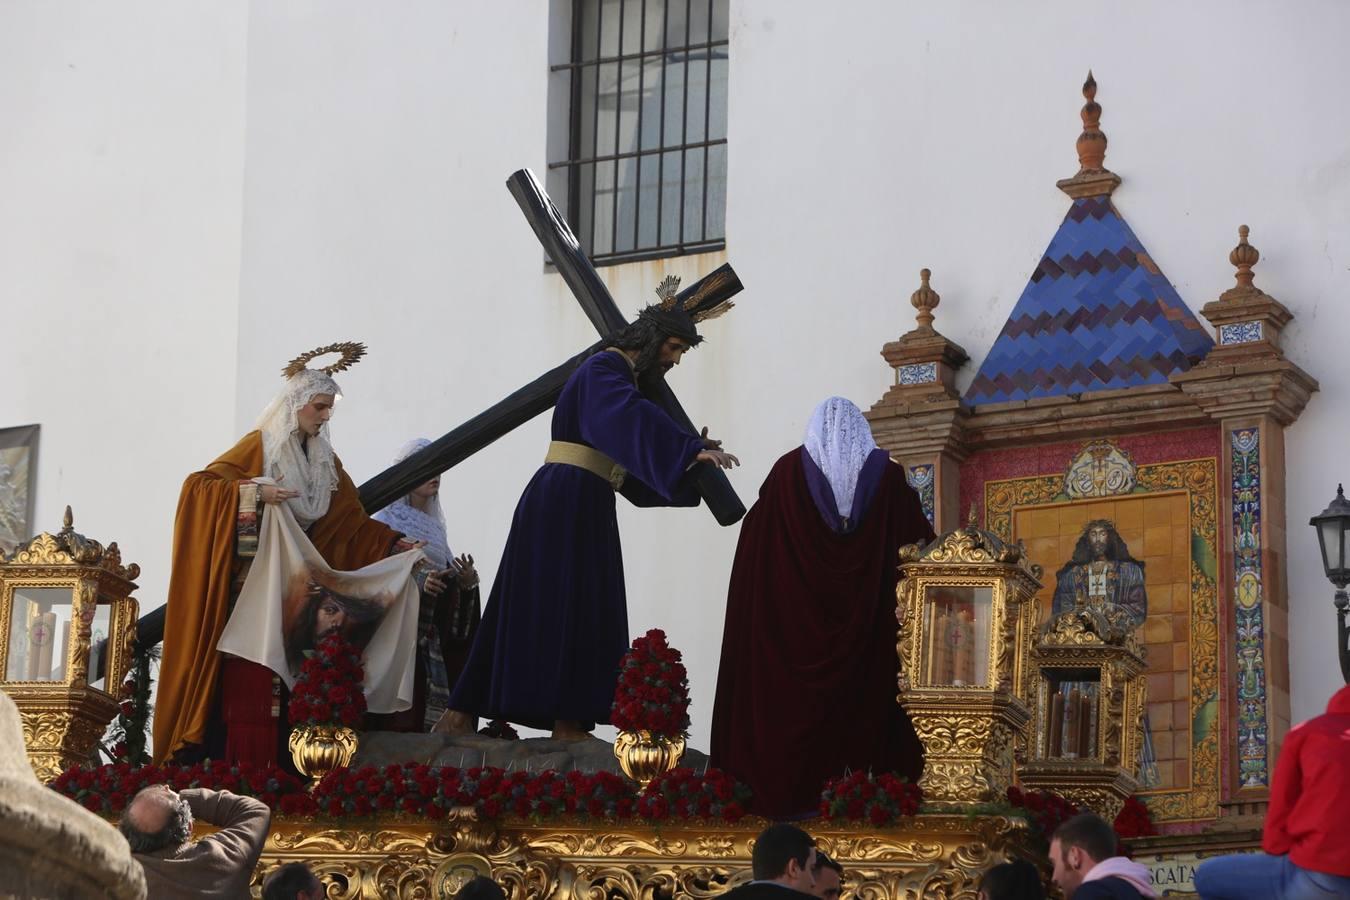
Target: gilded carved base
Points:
(968, 747)
(61, 725)
(1087, 784)
(930, 856)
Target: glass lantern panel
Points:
(956, 651)
(39, 634)
(1333, 550)
(99, 629)
(1345, 547)
(1072, 704)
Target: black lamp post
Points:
(1333, 533)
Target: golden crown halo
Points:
(351, 351)
(668, 291)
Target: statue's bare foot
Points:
(452, 721)
(569, 731)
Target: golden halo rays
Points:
(351, 351)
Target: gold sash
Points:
(588, 458)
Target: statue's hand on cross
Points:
(719, 459)
(714, 453)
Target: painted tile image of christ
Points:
(1101, 572)
(312, 610)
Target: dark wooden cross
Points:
(541, 394)
(576, 269)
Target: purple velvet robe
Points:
(556, 623)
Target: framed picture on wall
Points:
(18, 484)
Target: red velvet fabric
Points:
(246, 699)
(806, 688)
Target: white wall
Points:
(867, 140)
(121, 164)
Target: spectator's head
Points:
(1077, 845)
(293, 881)
(156, 818)
(787, 855)
(481, 888)
(1016, 880)
(829, 877)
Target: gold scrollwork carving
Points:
(599, 861)
(972, 545)
(69, 548)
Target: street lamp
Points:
(1333, 533)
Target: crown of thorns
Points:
(351, 351)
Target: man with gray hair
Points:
(158, 826)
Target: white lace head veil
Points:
(310, 469)
(415, 524)
(839, 440)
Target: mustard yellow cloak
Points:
(203, 566)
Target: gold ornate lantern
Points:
(967, 620)
(1089, 709)
(68, 621)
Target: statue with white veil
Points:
(450, 606)
(808, 650)
(223, 705)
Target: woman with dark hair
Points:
(1016, 880)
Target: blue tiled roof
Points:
(1097, 314)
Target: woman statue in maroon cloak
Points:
(806, 688)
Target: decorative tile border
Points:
(918, 373)
(1253, 765)
(1241, 333)
(921, 479)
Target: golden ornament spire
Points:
(925, 300)
(1092, 142)
(1093, 178)
(1244, 256)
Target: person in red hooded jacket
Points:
(1308, 852)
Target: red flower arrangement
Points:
(1044, 810)
(108, 789)
(425, 792)
(681, 794)
(862, 797)
(432, 792)
(1134, 820)
(653, 689)
(329, 690)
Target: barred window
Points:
(646, 161)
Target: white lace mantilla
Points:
(839, 440)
